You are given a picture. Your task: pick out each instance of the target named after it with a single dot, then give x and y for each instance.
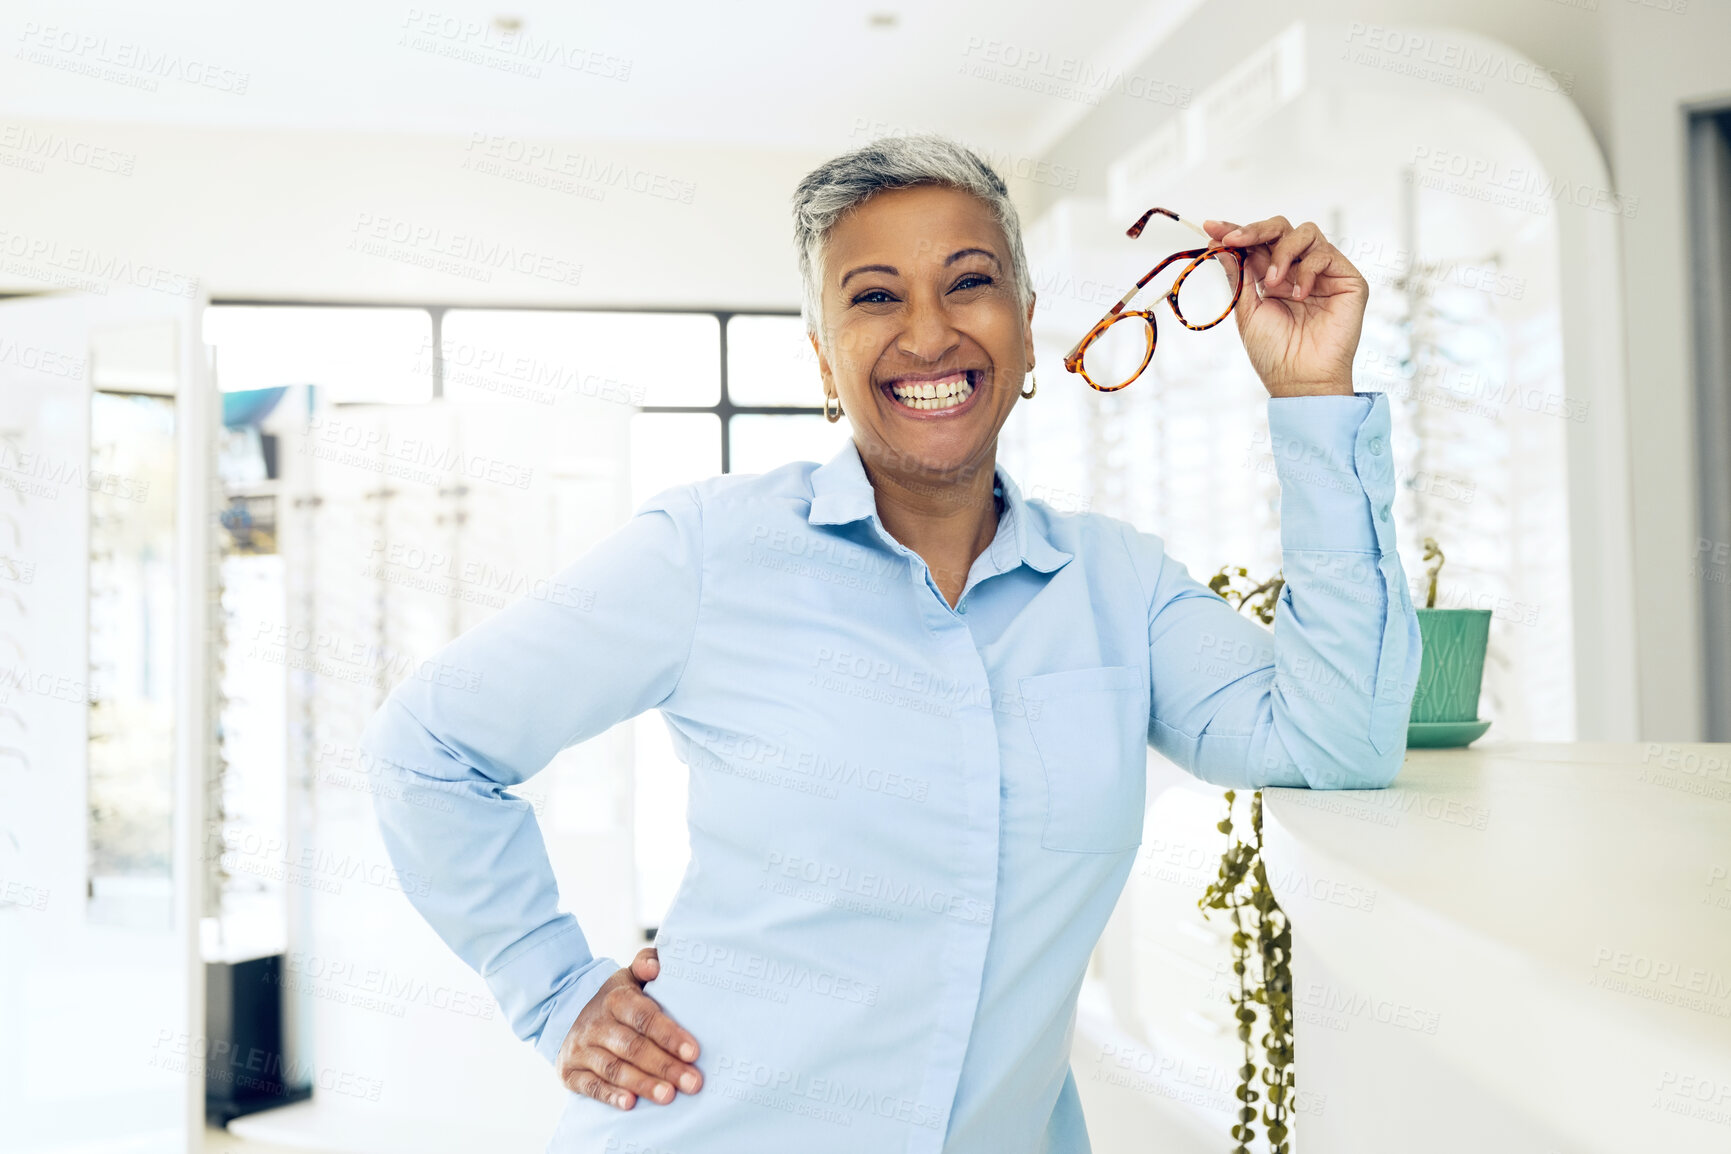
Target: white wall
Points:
(278, 215)
(1631, 67)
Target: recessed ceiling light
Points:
(508, 23)
(883, 19)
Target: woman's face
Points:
(922, 338)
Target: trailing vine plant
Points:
(1261, 941)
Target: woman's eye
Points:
(873, 297)
(973, 280)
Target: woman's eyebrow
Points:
(893, 271)
(962, 252)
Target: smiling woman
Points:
(924, 338)
(915, 709)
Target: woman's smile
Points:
(924, 396)
(926, 342)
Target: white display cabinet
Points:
(104, 529)
(401, 525)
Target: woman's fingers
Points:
(628, 1037)
(1262, 232)
(1289, 248)
(1252, 258)
(1236, 269)
(623, 1082)
(639, 1014)
(641, 1066)
(629, 1065)
(622, 1046)
(651, 1020)
(1316, 262)
(591, 1085)
(668, 1034)
(1284, 260)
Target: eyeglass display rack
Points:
(401, 526)
(102, 701)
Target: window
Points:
(707, 392)
(357, 354)
(774, 385)
(754, 375)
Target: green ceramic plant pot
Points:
(1445, 705)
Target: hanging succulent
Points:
(1241, 888)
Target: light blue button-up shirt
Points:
(909, 822)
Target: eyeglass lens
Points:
(1205, 293)
(1204, 298)
(1115, 356)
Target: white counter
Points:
(1515, 947)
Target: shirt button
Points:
(961, 607)
(1382, 513)
(1376, 446)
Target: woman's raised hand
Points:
(1302, 307)
(622, 1046)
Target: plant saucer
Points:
(1443, 734)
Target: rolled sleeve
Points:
(572, 995)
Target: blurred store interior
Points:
(332, 329)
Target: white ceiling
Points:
(771, 73)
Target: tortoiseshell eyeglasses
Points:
(1116, 350)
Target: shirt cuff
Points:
(1336, 472)
(569, 1002)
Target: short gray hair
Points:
(835, 187)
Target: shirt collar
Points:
(841, 493)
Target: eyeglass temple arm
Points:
(1135, 230)
(1136, 288)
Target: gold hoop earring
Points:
(832, 418)
(1028, 392)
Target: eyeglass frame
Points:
(1073, 358)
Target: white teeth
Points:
(930, 395)
(954, 389)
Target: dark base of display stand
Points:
(220, 1114)
(245, 1069)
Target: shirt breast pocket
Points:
(1090, 730)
